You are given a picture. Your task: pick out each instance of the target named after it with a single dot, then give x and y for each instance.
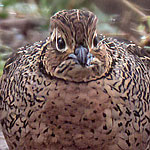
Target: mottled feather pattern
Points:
(70, 92)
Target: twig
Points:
(134, 8)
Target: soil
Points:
(3, 144)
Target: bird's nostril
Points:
(76, 51)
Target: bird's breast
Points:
(74, 113)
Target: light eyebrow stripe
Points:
(78, 15)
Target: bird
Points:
(76, 90)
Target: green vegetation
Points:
(1, 66)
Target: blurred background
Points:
(27, 21)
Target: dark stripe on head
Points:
(79, 24)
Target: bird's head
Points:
(74, 52)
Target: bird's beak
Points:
(81, 55)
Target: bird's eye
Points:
(60, 44)
(95, 41)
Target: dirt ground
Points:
(3, 144)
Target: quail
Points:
(76, 90)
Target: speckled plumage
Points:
(84, 96)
